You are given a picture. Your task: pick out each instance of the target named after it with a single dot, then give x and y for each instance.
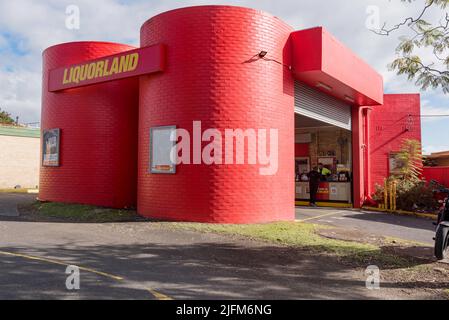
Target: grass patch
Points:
(81, 213)
(14, 190)
(304, 235)
(299, 235)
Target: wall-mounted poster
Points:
(395, 164)
(161, 146)
(50, 148)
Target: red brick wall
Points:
(98, 148)
(390, 124)
(212, 76)
(440, 174)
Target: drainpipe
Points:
(366, 153)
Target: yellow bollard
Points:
(395, 189)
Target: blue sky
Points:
(27, 27)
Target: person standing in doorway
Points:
(324, 172)
(314, 182)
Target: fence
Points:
(440, 174)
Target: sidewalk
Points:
(378, 223)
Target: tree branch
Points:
(386, 32)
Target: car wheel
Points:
(441, 243)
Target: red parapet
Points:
(321, 61)
(126, 64)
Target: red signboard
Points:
(323, 193)
(123, 65)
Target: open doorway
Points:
(326, 142)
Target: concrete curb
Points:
(403, 213)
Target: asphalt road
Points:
(143, 260)
(8, 203)
(378, 223)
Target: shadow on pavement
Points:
(200, 271)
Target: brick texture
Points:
(440, 174)
(19, 162)
(390, 124)
(98, 151)
(212, 76)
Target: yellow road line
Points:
(108, 275)
(318, 217)
(157, 295)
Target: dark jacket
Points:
(314, 177)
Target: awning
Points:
(321, 61)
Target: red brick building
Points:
(107, 107)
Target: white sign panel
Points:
(160, 150)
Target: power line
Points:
(429, 115)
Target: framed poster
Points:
(161, 147)
(395, 165)
(50, 148)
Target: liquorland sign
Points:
(123, 65)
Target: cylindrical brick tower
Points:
(98, 133)
(214, 75)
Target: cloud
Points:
(32, 26)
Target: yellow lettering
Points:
(76, 74)
(124, 61)
(105, 69)
(83, 72)
(65, 80)
(114, 67)
(91, 71)
(133, 61)
(99, 71)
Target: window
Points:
(161, 147)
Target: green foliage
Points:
(412, 193)
(81, 213)
(431, 36)
(415, 196)
(5, 118)
(411, 160)
(303, 235)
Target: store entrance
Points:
(320, 144)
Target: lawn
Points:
(80, 213)
(294, 234)
(305, 236)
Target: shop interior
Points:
(318, 143)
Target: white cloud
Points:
(39, 24)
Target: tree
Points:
(5, 118)
(411, 160)
(412, 192)
(431, 36)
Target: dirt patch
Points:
(420, 252)
(425, 275)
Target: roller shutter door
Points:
(315, 104)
